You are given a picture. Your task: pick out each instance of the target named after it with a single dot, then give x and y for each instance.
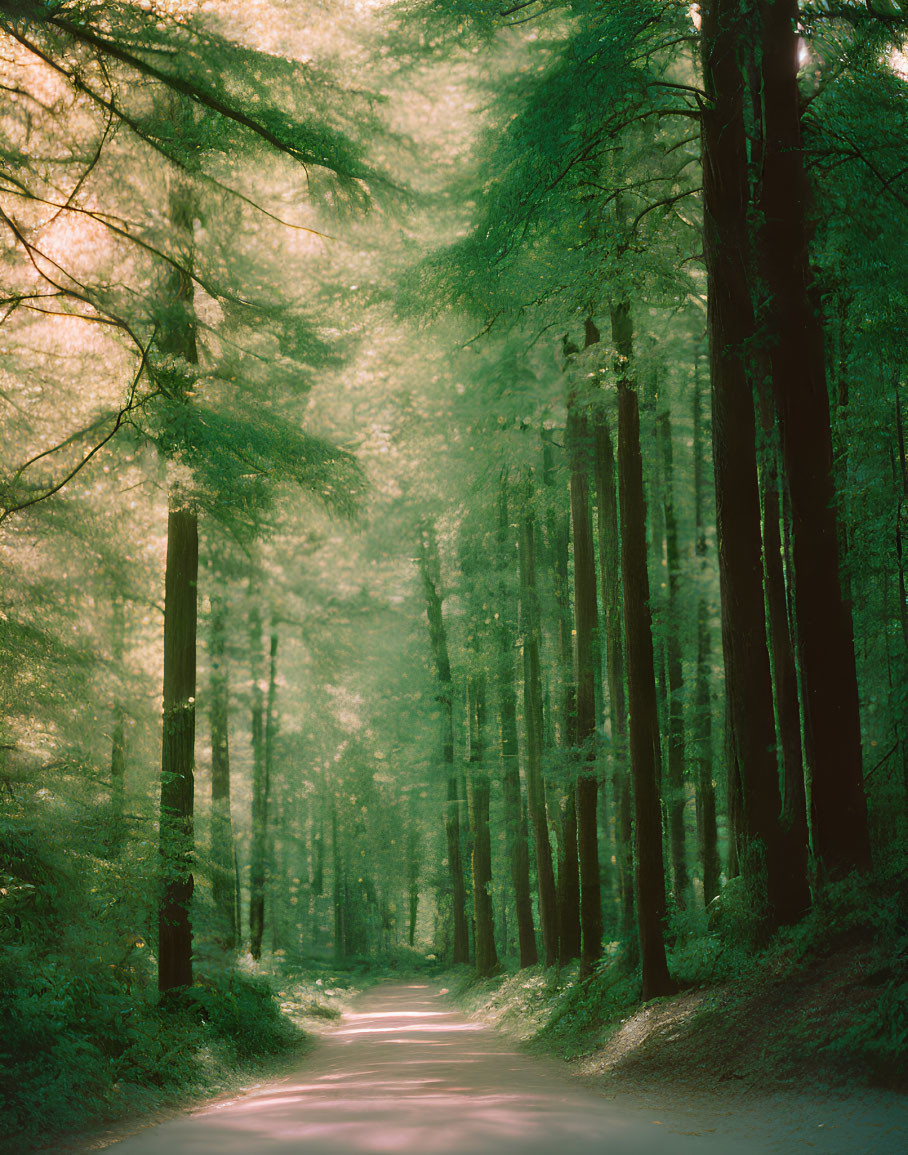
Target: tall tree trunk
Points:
(515, 815)
(730, 325)
(338, 888)
(641, 678)
(223, 858)
(118, 736)
(177, 337)
(702, 729)
(259, 849)
(674, 671)
(429, 566)
(795, 841)
(478, 797)
(178, 749)
(825, 635)
(275, 829)
(609, 577)
(586, 620)
(532, 709)
(412, 877)
(564, 714)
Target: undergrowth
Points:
(77, 1048)
(842, 973)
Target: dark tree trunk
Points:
(733, 799)
(702, 728)
(515, 814)
(548, 908)
(478, 796)
(223, 858)
(177, 337)
(259, 848)
(609, 577)
(674, 671)
(438, 638)
(586, 620)
(794, 834)
(564, 716)
(825, 636)
(412, 877)
(178, 750)
(730, 325)
(569, 934)
(118, 736)
(641, 678)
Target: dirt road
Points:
(406, 1073)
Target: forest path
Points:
(405, 1072)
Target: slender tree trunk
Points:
(641, 678)
(478, 796)
(223, 858)
(340, 935)
(275, 836)
(825, 634)
(178, 749)
(702, 728)
(438, 638)
(515, 815)
(177, 337)
(676, 793)
(548, 908)
(586, 620)
(564, 716)
(412, 877)
(609, 577)
(730, 325)
(118, 736)
(259, 848)
(901, 479)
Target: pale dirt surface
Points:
(406, 1072)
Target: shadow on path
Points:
(404, 1073)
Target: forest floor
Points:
(405, 1071)
(774, 1044)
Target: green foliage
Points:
(228, 94)
(240, 1012)
(236, 460)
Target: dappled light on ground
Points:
(399, 1075)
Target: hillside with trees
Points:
(453, 522)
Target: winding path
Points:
(407, 1074)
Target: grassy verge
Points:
(78, 1051)
(825, 1002)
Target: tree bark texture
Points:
(825, 634)
(641, 678)
(178, 750)
(177, 336)
(730, 325)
